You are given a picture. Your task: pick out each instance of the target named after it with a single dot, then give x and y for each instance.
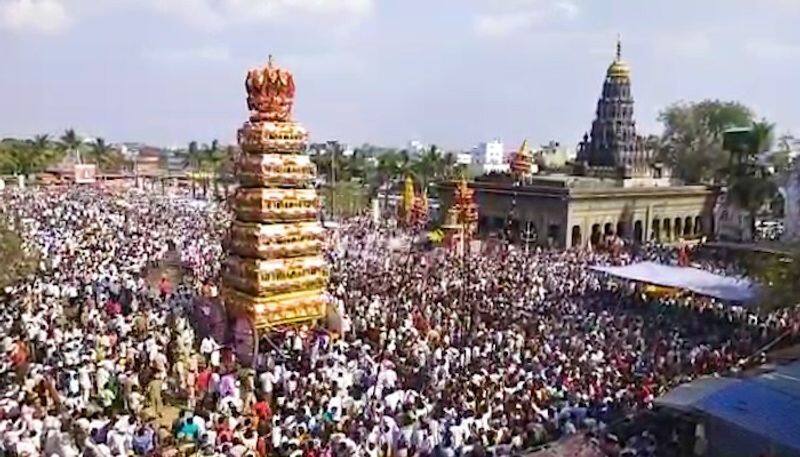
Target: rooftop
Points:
(758, 408)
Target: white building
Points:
(489, 157)
(415, 148)
(554, 155)
(463, 158)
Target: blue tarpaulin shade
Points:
(748, 415)
(693, 279)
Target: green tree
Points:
(17, 157)
(692, 140)
(72, 142)
(19, 261)
(193, 155)
(428, 167)
(26, 157)
(387, 171)
(104, 156)
(781, 158)
(749, 183)
(210, 159)
(450, 166)
(779, 275)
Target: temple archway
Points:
(698, 225)
(595, 237)
(656, 236)
(608, 229)
(576, 236)
(638, 231)
(621, 229)
(777, 204)
(687, 226)
(553, 234)
(678, 227)
(667, 230)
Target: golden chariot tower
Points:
(275, 273)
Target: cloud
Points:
(51, 16)
(511, 17)
(219, 14)
(38, 16)
(324, 64)
(683, 44)
(506, 24)
(785, 4)
(770, 49)
(568, 8)
(199, 54)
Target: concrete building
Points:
(464, 158)
(566, 211)
(416, 148)
(489, 157)
(553, 155)
(176, 161)
(616, 188)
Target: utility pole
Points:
(333, 179)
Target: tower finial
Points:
(270, 61)
(619, 47)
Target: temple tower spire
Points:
(613, 141)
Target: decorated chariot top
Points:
(464, 202)
(270, 93)
(522, 162)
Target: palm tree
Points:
(41, 142)
(72, 143)
(208, 160)
(749, 184)
(43, 151)
(195, 161)
(428, 167)
(386, 173)
(449, 164)
(101, 153)
(17, 157)
(193, 154)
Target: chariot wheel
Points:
(210, 319)
(245, 341)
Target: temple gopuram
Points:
(275, 273)
(616, 188)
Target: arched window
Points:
(576, 235)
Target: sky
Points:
(447, 72)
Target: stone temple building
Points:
(616, 187)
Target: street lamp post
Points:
(529, 235)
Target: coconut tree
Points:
(103, 154)
(387, 171)
(428, 167)
(44, 151)
(41, 143)
(449, 164)
(749, 183)
(195, 159)
(71, 142)
(214, 157)
(17, 157)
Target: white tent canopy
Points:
(693, 279)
